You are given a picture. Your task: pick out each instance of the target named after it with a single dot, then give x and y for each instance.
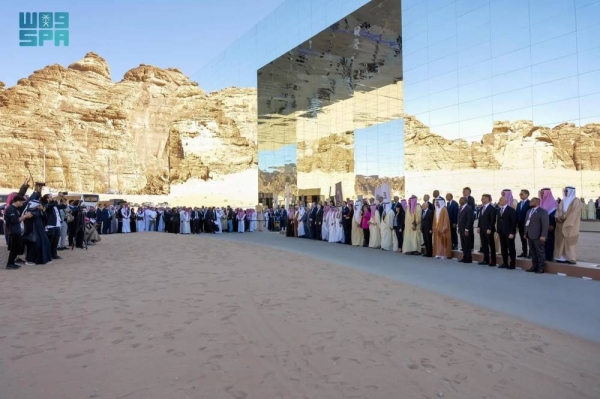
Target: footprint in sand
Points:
(537, 348)
(447, 353)
(118, 341)
(74, 355)
(426, 363)
(305, 350)
(411, 364)
(236, 393)
(459, 378)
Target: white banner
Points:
(385, 193)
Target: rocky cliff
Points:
(153, 128)
(507, 146)
(332, 153)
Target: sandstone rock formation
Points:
(333, 153)
(366, 185)
(508, 146)
(155, 127)
(275, 180)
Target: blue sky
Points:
(176, 33)
(468, 63)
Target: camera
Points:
(40, 184)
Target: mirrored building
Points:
(423, 94)
(327, 107)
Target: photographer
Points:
(13, 219)
(65, 217)
(34, 235)
(76, 227)
(53, 221)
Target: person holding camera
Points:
(53, 221)
(13, 219)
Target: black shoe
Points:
(469, 261)
(19, 260)
(531, 270)
(56, 257)
(503, 266)
(13, 267)
(461, 261)
(492, 265)
(482, 263)
(561, 261)
(541, 271)
(511, 267)
(570, 262)
(523, 255)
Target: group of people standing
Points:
(185, 220)
(548, 227)
(38, 226)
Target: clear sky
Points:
(468, 63)
(175, 33)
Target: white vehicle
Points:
(87, 200)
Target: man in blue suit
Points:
(105, 218)
(522, 209)
(452, 207)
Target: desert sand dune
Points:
(157, 316)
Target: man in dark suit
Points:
(13, 218)
(427, 230)
(465, 229)
(106, 220)
(428, 204)
(53, 222)
(471, 203)
(452, 207)
(536, 231)
(312, 216)
(195, 221)
(209, 218)
(399, 224)
(522, 210)
(486, 229)
(347, 215)
(380, 207)
(318, 222)
(507, 230)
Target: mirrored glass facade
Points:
(502, 94)
(330, 109)
(491, 94)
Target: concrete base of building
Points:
(591, 226)
(581, 269)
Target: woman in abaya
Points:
(38, 249)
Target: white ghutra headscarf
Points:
(440, 204)
(568, 199)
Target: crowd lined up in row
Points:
(180, 220)
(548, 228)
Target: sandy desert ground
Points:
(161, 316)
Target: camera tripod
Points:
(80, 227)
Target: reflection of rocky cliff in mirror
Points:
(347, 77)
(366, 185)
(515, 154)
